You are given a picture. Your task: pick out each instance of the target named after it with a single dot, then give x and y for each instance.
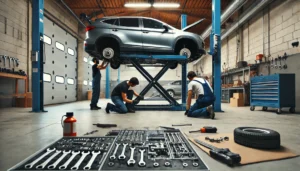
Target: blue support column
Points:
(119, 75)
(107, 89)
(37, 55)
(215, 49)
(184, 66)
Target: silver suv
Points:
(107, 37)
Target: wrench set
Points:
(74, 153)
(119, 150)
(152, 150)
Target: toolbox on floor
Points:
(276, 91)
(120, 150)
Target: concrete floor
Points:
(22, 133)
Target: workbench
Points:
(16, 77)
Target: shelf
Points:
(8, 75)
(238, 70)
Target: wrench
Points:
(122, 155)
(64, 166)
(43, 165)
(76, 166)
(113, 156)
(89, 165)
(53, 166)
(279, 58)
(142, 163)
(30, 165)
(131, 161)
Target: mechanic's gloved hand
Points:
(136, 101)
(140, 97)
(186, 112)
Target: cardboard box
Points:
(238, 95)
(20, 102)
(89, 94)
(236, 102)
(237, 83)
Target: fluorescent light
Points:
(137, 5)
(166, 5)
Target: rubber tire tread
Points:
(257, 140)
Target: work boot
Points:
(129, 110)
(94, 108)
(211, 112)
(98, 107)
(107, 108)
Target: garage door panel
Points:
(60, 64)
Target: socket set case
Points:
(122, 150)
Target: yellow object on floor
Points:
(248, 155)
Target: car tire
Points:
(174, 65)
(109, 51)
(115, 65)
(254, 137)
(171, 93)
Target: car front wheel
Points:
(109, 51)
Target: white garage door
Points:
(60, 67)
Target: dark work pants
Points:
(96, 91)
(119, 106)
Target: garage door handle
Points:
(145, 31)
(114, 29)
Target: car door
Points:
(177, 88)
(130, 33)
(155, 36)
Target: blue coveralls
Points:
(199, 108)
(96, 89)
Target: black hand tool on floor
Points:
(222, 154)
(181, 124)
(206, 129)
(105, 125)
(165, 127)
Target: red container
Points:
(259, 57)
(70, 125)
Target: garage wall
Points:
(270, 32)
(13, 43)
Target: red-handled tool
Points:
(206, 129)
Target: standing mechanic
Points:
(96, 82)
(122, 93)
(203, 106)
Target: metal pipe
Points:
(72, 13)
(248, 14)
(233, 7)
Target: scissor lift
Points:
(153, 81)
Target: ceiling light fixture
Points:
(166, 5)
(137, 5)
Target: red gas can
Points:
(70, 125)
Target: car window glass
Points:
(111, 21)
(129, 22)
(152, 24)
(176, 83)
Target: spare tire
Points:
(257, 137)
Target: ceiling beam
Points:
(158, 9)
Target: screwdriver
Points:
(206, 129)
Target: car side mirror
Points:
(166, 28)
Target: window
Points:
(85, 59)
(71, 52)
(85, 82)
(91, 63)
(59, 79)
(148, 23)
(129, 22)
(47, 40)
(47, 77)
(176, 83)
(114, 21)
(60, 46)
(70, 81)
(90, 83)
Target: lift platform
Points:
(153, 81)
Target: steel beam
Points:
(37, 55)
(183, 67)
(215, 49)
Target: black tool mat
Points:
(61, 151)
(161, 149)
